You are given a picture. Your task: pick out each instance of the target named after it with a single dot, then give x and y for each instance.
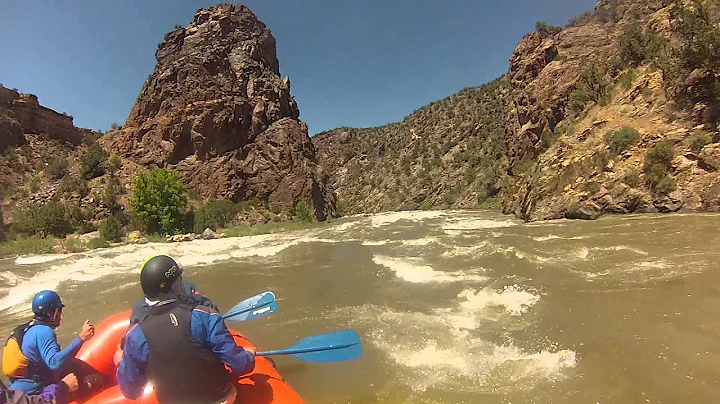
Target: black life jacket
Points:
(180, 368)
(16, 365)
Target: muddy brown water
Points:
(452, 307)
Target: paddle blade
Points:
(332, 347)
(254, 307)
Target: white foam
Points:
(10, 278)
(582, 253)
(546, 238)
(415, 271)
(512, 299)
(39, 259)
(345, 226)
(420, 241)
(473, 250)
(382, 219)
(621, 248)
(126, 259)
(375, 243)
(432, 357)
(477, 224)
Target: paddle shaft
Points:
(304, 350)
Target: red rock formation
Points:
(21, 113)
(216, 109)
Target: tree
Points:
(546, 29)
(92, 163)
(303, 213)
(111, 229)
(159, 200)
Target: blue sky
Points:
(351, 62)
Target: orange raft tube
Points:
(263, 386)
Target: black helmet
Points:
(158, 274)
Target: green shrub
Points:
(637, 45)
(303, 213)
(110, 194)
(666, 185)
(547, 139)
(70, 185)
(592, 87)
(57, 169)
(632, 178)
(27, 245)
(111, 229)
(54, 218)
(662, 153)
(654, 174)
(621, 139)
(275, 209)
(92, 163)
(601, 160)
(658, 162)
(99, 242)
(546, 29)
(341, 207)
(698, 140)
(159, 200)
(34, 184)
(627, 78)
(214, 215)
(698, 26)
(114, 164)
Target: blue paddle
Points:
(254, 307)
(332, 347)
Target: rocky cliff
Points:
(600, 123)
(217, 110)
(447, 154)
(616, 113)
(21, 114)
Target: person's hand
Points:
(71, 381)
(118, 355)
(87, 331)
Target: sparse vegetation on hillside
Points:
(546, 29)
(621, 139)
(658, 163)
(452, 147)
(93, 162)
(637, 44)
(592, 88)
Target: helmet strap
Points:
(55, 316)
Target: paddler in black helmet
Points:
(190, 294)
(181, 348)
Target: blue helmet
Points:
(46, 302)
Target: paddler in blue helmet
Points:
(180, 348)
(32, 358)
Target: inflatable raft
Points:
(263, 386)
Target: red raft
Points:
(263, 385)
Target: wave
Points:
(414, 271)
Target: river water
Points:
(451, 306)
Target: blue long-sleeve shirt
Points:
(206, 327)
(41, 347)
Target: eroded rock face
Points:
(217, 110)
(22, 113)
